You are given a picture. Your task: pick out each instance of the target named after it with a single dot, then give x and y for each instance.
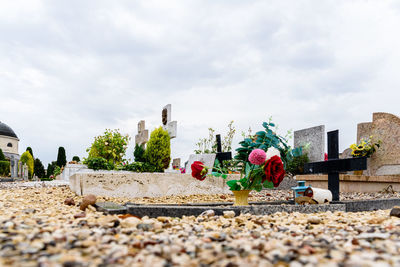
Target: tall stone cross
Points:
(143, 135)
(167, 124)
(222, 155)
(333, 166)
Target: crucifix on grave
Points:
(167, 124)
(143, 135)
(333, 166)
(221, 156)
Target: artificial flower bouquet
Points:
(258, 168)
(365, 148)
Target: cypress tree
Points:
(2, 157)
(61, 158)
(39, 168)
(76, 158)
(30, 151)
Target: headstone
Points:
(176, 163)
(384, 127)
(167, 124)
(143, 135)
(315, 138)
(207, 159)
(221, 156)
(333, 166)
(25, 172)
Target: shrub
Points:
(27, 158)
(2, 157)
(57, 171)
(39, 168)
(30, 150)
(139, 153)
(97, 163)
(158, 151)
(61, 158)
(76, 158)
(139, 167)
(4, 168)
(111, 146)
(296, 165)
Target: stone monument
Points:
(143, 135)
(176, 162)
(384, 127)
(315, 138)
(167, 124)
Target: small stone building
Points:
(9, 144)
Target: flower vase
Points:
(241, 197)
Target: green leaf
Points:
(258, 187)
(233, 185)
(248, 169)
(268, 184)
(216, 174)
(224, 176)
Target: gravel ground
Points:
(38, 229)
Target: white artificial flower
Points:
(272, 151)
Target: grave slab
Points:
(179, 211)
(110, 208)
(130, 184)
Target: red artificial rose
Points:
(274, 171)
(199, 171)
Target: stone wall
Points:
(116, 184)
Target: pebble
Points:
(395, 211)
(229, 214)
(34, 233)
(314, 220)
(87, 200)
(69, 201)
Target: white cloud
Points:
(70, 69)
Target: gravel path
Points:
(38, 229)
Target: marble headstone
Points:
(143, 135)
(167, 124)
(315, 138)
(207, 159)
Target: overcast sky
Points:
(71, 69)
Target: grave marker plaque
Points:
(333, 166)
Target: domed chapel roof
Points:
(6, 130)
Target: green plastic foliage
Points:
(264, 140)
(139, 153)
(27, 158)
(61, 158)
(111, 146)
(39, 168)
(158, 151)
(76, 158)
(2, 157)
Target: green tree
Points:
(4, 165)
(139, 153)
(27, 159)
(158, 151)
(39, 168)
(61, 158)
(30, 151)
(111, 146)
(76, 158)
(2, 157)
(50, 168)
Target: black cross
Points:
(334, 165)
(222, 155)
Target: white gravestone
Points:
(207, 159)
(167, 124)
(143, 135)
